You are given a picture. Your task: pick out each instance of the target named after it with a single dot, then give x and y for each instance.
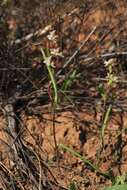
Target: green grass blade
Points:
(105, 122)
(117, 187)
(70, 80)
(86, 161)
(72, 186)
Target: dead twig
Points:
(77, 51)
(85, 58)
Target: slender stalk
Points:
(47, 59)
(105, 122)
(86, 161)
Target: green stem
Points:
(94, 167)
(47, 60)
(105, 122)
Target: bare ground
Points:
(38, 163)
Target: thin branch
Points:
(77, 51)
(85, 58)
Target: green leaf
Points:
(70, 80)
(86, 161)
(6, 3)
(101, 90)
(117, 187)
(72, 186)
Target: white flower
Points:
(56, 52)
(52, 36)
(108, 63)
